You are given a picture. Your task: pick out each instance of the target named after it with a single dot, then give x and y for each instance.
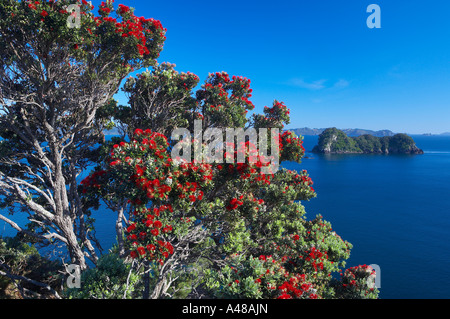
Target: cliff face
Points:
(403, 144)
(334, 141)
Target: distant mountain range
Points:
(349, 132)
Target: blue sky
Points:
(320, 58)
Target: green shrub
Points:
(108, 280)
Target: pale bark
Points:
(55, 122)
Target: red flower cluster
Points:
(301, 182)
(149, 33)
(289, 138)
(92, 180)
(144, 234)
(316, 257)
(123, 9)
(234, 203)
(353, 276)
(215, 94)
(146, 165)
(278, 107)
(32, 5)
(139, 28)
(296, 287)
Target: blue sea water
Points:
(394, 209)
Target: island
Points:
(335, 141)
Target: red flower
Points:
(155, 232)
(123, 9)
(106, 10)
(234, 203)
(169, 247)
(115, 163)
(148, 223)
(44, 13)
(157, 224)
(141, 250)
(133, 254)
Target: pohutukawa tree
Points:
(56, 89)
(241, 232)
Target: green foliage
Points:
(23, 259)
(357, 283)
(107, 280)
(333, 140)
(402, 143)
(246, 278)
(369, 143)
(159, 96)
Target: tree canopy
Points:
(185, 227)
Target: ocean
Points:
(394, 209)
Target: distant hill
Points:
(334, 141)
(307, 131)
(359, 132)
(349, 132)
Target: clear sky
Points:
(320, 58)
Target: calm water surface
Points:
(394, 209)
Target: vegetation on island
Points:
(335, 141)
(188, 229)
